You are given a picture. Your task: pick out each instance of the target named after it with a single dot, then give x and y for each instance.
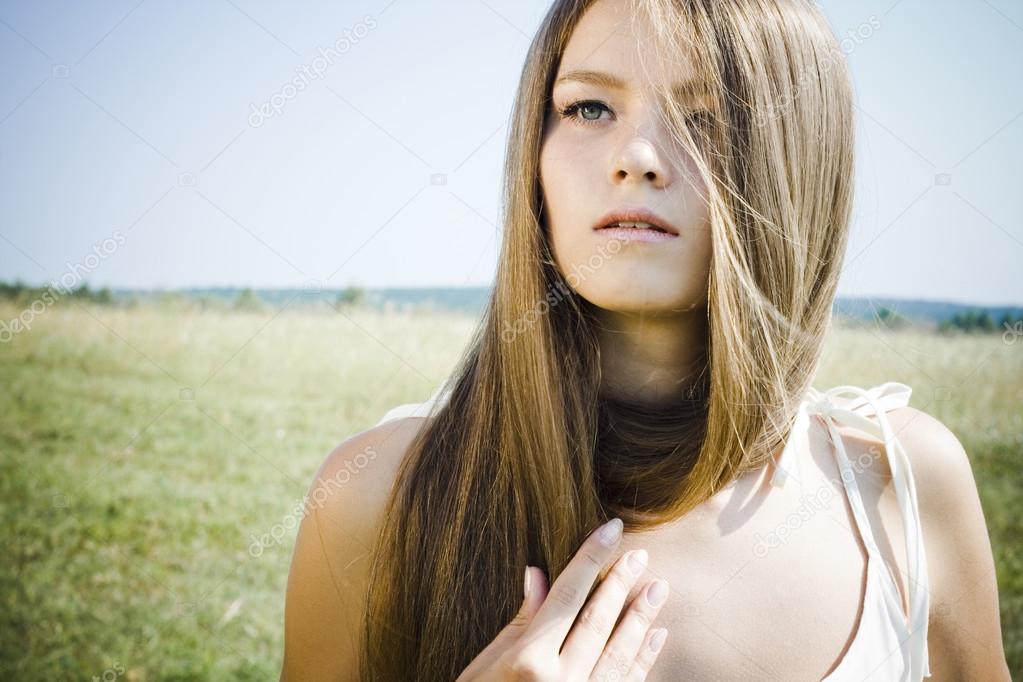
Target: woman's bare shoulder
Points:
(937, 459)
(330, 567)
(965, 622)
(354, 481)
(965, 632)
(939, 465)
(942, 473)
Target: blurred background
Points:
(234, 233)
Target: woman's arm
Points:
(965, 635)
(330, 567)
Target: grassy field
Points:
(143, 450)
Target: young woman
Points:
(677, 204)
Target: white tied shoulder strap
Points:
(853, 406)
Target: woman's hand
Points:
(545, 642)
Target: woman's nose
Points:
(640, 159)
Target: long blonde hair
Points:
(526, 457)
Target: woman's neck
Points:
(651, 360)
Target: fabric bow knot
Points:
(849, 412)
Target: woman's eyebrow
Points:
(598, 78)
(612, 82)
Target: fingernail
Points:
(526, 585)
(611, 531)
(657, 639)
(636, 561)
(657, 593)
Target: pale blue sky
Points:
(132, 122)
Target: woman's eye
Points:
(590, 110)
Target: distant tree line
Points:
(981, 321)
(246, 299)
(353, 296)
(891, 318)
(973, 320)
(20, 292)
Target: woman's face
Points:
(610, 152)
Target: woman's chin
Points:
(629, 299)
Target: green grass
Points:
(141, 449)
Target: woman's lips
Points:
(635, 234)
